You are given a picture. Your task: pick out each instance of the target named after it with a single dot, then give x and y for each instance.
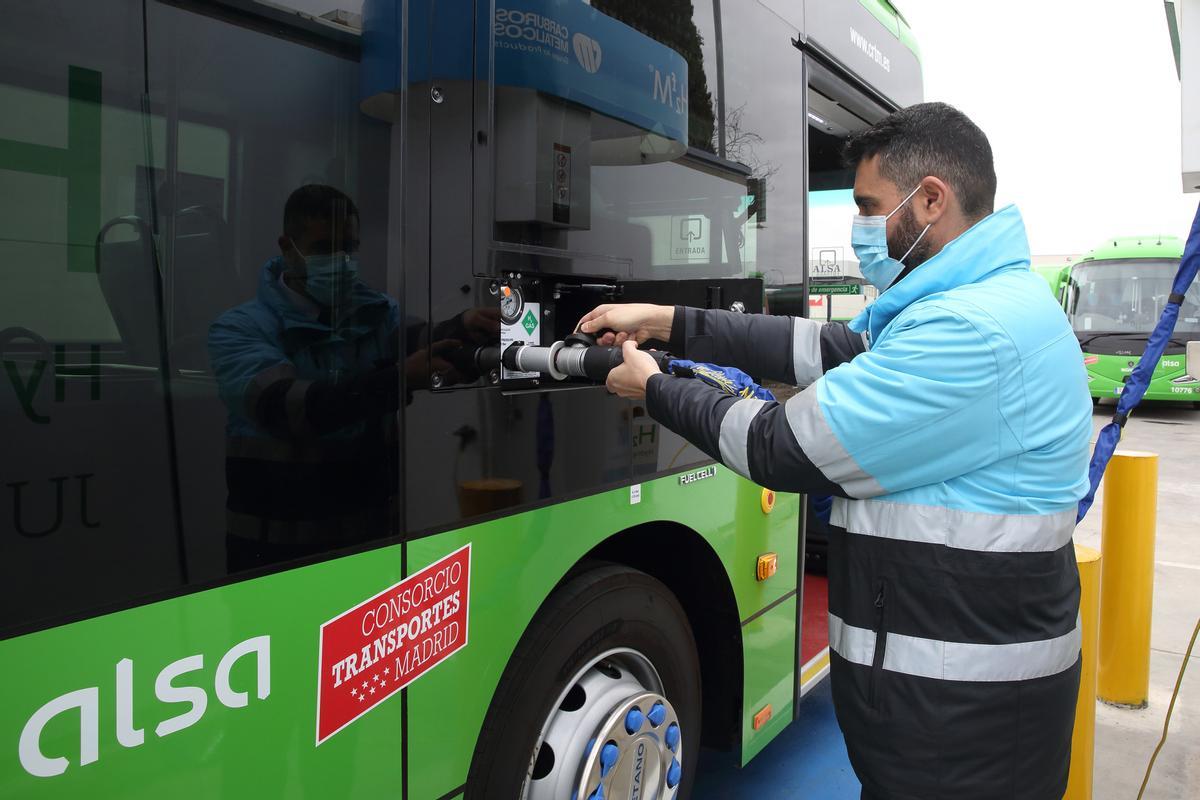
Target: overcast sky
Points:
(1081, 103)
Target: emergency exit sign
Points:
(835, 288)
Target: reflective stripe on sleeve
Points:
(806, 350)
(957, 661)
(823, 448)
(962, 530)
(735, 428)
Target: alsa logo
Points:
(873, 52)
(587, 51)
(166, 690)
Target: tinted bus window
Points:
(282, 175)
(87, 513)
(201, 353)
(687, 28)
(764, 124)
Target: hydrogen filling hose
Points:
(577, 356)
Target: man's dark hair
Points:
(315, 201)
(931, 139)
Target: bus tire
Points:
(603, 609)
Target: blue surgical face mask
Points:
(329, 279)
(868, 236)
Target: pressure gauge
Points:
(511, 304)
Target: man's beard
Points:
(908, 231)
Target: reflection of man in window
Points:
(309, 372)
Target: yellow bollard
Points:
(1127, 580)
(1083, 738)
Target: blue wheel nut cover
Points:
(657, 714)
(674, 773)
(608, 757)
(634, 720)
(672, 736)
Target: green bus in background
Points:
(1114, 296)
(1055, 276)
(274, 522)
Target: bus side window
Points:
(86, 509)
(178, 275)
(763, 129)
(286, 344)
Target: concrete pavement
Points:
(1125, 739)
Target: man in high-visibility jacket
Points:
(951, 421)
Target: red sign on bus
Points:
(385, 643)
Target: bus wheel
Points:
(600, 699)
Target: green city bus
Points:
(276, 521)
(1114, 296)
(1055, 276)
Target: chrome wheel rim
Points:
(612, 734)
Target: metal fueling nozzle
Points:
(577, 356)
